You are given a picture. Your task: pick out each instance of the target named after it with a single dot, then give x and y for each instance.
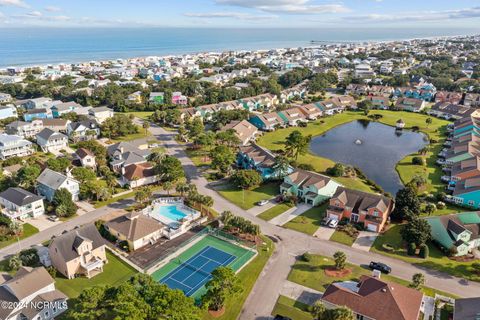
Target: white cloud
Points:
(234, 15)
(53, 9)
(427, 16)
(287, 6)
(14, 3)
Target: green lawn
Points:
(436, 261)
(309, 221)
(145, 115)
(114, 273)
(28, 230)
(274, 211)
(134, 136)
(312, 274)
(275, 141)
(290, 308)
(248, 198)
(199, 157)
(342, 237)
(248, 276)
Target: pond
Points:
(373, 147)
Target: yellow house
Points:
(79, 252)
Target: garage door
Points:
(332, 216)
(372, 227)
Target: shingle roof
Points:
(377, 299)
(82, 153)
(139, 171)
(467, 309)
(51, 178)
(65, 243)
(135, 226)
(48, 134)
(304, 179)
(19, 196)
(362, 201)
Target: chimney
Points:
(123, 170)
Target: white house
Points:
(20, 204)
(31, 293)
(51, 141)
(49, 182)
(11, 146)
(86, 158)
(101, 113)
(24, 129)
(138, 174)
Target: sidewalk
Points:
(290, 214)
(300, 293)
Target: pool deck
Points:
(147, 255)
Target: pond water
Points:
(373, 147)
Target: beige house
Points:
(135, 228)
(79, 252)
(86, 158)
(244, 130)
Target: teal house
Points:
(456, 232)
(309, 187)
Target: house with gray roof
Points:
(24, 129)
(51, 141)
(123, 154)
(459, 233)
(79, 252)
(18, 203)
(467, 309)
(83, 130)
(31, 293)
(14, 146)
(50, 181)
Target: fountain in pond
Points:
(358, 141)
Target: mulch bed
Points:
(466, 258)
(334, 273)
(217, 313)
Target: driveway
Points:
(365, 240)
(290, 214)
(300, 293)
(42, 223)
(255, 211)
(324, 233)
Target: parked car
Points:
(380, 267)
(262, 202)
(325, 221)
(333, 223)
(54, 218)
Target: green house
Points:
(156, 98)
(459, 232)
(309, 187)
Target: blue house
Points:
(8, 111)
(37, 114)
(256, 158)
(49, 182)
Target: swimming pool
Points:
(172, 212)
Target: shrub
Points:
(412, 248)
(14, 263)
(441, 205)
(124, 246)
(388, 247)
(418, 161)
(307, 257)
(52, 271)
(29, 257)
(424, 251)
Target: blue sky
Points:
(240, 13)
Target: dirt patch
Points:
(217, 313)
(334, 273)
(466, 258)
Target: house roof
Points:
(305, 179)
(135, 225)
(48, 134)
(362, 201)
(83, 153)
(377, 299)
(52, 178)
(28, 281)
(139, 171)
(243, 129)
(467, 309)
(67, 243)
(19, 196)
(444, 228)
(55, 122)
(258, 154)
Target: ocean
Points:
(39, 46)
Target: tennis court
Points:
(194, 273)
(192, 269)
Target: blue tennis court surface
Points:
(192, 274)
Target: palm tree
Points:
(167, 186)
(281, 166)
(182, 188)
(145, 126)
(428, 121)
(156, 157)
(297, 144)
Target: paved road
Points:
(265, 292)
